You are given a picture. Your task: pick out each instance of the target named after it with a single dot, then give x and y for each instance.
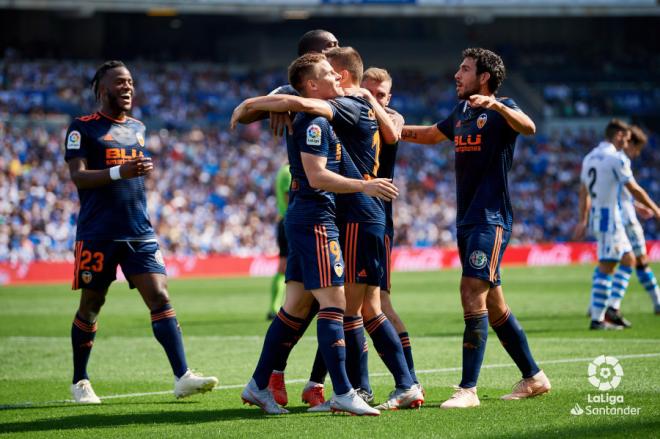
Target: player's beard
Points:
(468, 91)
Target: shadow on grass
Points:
(104, 420)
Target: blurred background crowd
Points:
(212, 189)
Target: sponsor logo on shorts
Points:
(159, 258)
(478, 259)
(314, 135)
(73, 140)
(86, 277)
(481, 120)
(339, 269)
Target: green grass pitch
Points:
(224, 323)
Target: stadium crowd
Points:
(212, 189)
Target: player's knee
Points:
(91, 303)
(628, 259)
(158, 299)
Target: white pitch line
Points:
(304, 380)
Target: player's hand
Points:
(137, 167)
(382, 188)
(280, 124)
(360, 93)
(481, 101)
(580, 231)
(236, 115)
(644, 212)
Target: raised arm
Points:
(425, 135)
(322, 178)
(516, 119)
(279, 104)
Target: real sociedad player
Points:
(484, 129)
(108, 161)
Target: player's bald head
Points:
(316, 41)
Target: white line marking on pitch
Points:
(301, 380)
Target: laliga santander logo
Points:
(605, 373)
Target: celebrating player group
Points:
(342, 140)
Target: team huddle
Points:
(342, 140)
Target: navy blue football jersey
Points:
(312, 135)
(483, 145)
(356, 126)
(386, 170)
(117, 211)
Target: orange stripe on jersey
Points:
(325, 255)
(113, 119)
(76, 267)
(495, 255)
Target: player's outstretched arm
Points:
(85, 178)
(425, 135)
(320, 177)
(640, 195)
(279, 104)
(584, 206)
(516, 119)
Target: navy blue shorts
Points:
(364, 250)
(96, 262)
(281, 239)
(315, 257)
(481, 247)
(385, 281)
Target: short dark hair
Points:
(349, 59)
(488, 61)
(313, 41)
(638, 136)
(301, 68)
(615, 126)
(100, 73)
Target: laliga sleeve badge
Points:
(140, 138)
(73, 140)
(314, 135)
(339, 269)
(481, 120)
(478, 259)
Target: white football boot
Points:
(261, 398)
(83, 393)
(411, 398)
(191, 383)
(351, 402)
(462, 399)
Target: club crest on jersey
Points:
(86, 277)
(73, 140)
(339, 269)
(314, 135)
(481, 120)
(140, 138)
(478, 259)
